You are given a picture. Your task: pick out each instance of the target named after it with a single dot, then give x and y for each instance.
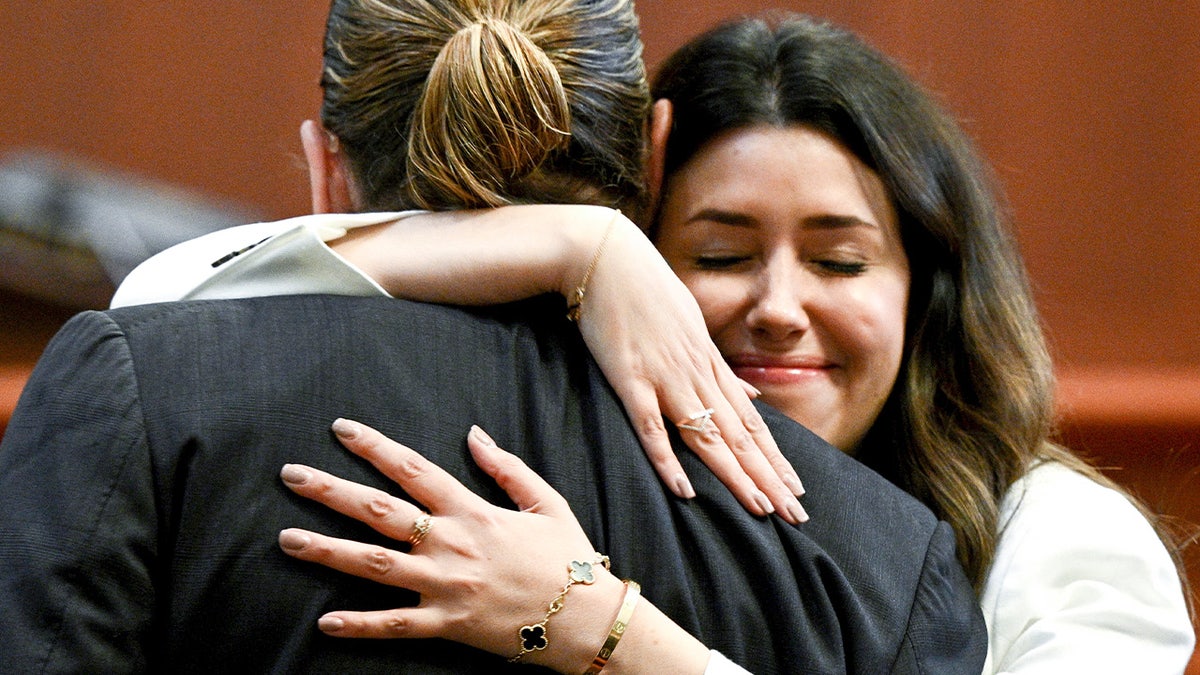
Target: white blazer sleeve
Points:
(286, 257)
(1081, 584)
(719, 665)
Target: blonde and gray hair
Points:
(471, 103)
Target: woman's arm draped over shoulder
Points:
(640, 322)
(481, 257)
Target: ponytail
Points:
(444, 104)
(493, 111)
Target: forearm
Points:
(482, 257)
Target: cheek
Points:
(884, 312)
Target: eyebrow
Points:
(833, 222)
(723, 217)
(821, 222)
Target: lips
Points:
(757, 369)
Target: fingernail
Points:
(683, 487)
(763, 503)
(795, 512)
(294, 540)
(482, 436)
(345, 428)
(751, 390)
(792, 481)
(293, 474)
(330, 624)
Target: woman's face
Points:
(792, 248)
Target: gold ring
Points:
(421, 527)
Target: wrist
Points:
(580, 629)
(584, 626)
(652, 637)
(586, 239)
(629, 603)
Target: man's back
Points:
(139, 498)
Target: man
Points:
(140, 504)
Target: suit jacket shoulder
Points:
(78, 521)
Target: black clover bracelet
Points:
(533, 637)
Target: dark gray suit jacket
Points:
(140, 499)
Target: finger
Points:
(523, 485)
(368, 561)
(732, 451)
(703, 428)
(423, 480)
(751, 391)
(642, 406)
(748, 437)
(407, 622)
(709, 445)
(753, 422)
(388, 515)
(754, 466)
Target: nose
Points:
(777, 311)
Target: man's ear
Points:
(661, 117)
(328, 170)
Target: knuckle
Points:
(457, 621)
(651, 425)
(479, 520)
(471, 549)
(395, 625)
(698, 359)
(742, 443)
(472, 585)
(317, 485)
(705, 446)
(411, 466)
(753, 421)
(378, 562)
(381, 504)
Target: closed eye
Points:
(720, 262)
(841, 268)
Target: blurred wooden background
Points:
(1090, 113)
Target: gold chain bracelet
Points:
(533, 637)
(575, 302)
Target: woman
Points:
(865, 282)
(932, 287)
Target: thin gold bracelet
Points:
(632, 592)
(575, 304)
